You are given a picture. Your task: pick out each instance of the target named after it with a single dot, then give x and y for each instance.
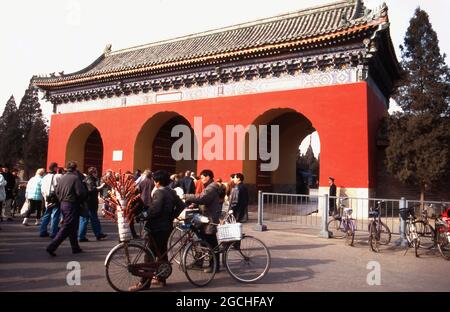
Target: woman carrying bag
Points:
(34, 195)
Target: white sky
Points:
(40, 37)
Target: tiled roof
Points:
(335, 18)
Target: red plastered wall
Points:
(338, 113)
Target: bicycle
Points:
(379, 233)
(425, 230)
(442, 237)
(343, 226)
(129, 264)
(246, 258)
(411, 233)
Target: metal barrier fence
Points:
(307, 210)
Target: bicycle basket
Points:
(374, 213)
(229, 232)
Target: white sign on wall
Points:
(117, 155)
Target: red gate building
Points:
(329, 69)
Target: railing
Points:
(308, 210)
(303, 210)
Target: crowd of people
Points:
(65, 200)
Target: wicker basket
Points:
(229, 232)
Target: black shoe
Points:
(51, 252)
(83, 240)
(101, 236)
(44, 235)
(77, 251)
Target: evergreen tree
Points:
(35, 147)
(33, 132)
(10, 139)
(419, 137)
(426, 86)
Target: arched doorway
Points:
(85, 146)
(154, 143)
(293, 128)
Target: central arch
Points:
(293, 128)
(153, 144)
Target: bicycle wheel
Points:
(426, 234)
(335, 228)
(443, 245)
(247, 260)
(385, 234)
(374, 242)
(416, 244)
(199, 263)
(118, 264)
(174, 244)
(350, 238)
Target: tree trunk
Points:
(422, 198)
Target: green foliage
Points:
(419, 150)
(33, 131)
(419, 137)
(426, 85)
(9, 134)
(24, 134)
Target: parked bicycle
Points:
(379, 233)
(343, 226)
(411, 232)
(424, 229)
(443, 234)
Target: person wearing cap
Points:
(52, 213)
(332, 193)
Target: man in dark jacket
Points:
(239, 198)
(92, 186)
(332, 193)
(163, 208)
(187, 183)
(71, 193)
(212, 208)
(145, 188)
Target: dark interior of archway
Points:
(264, 179)
(93, 152)
(162, 144)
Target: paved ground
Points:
(301, 261)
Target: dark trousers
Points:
(241, 214)
(35, 205)
(157, 243)
(70, 227)
(332, 206)
(212, 241)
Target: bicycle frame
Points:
(149, 269)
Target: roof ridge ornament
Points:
(108, 49)
(359, 9)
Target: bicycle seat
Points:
(348, 211)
